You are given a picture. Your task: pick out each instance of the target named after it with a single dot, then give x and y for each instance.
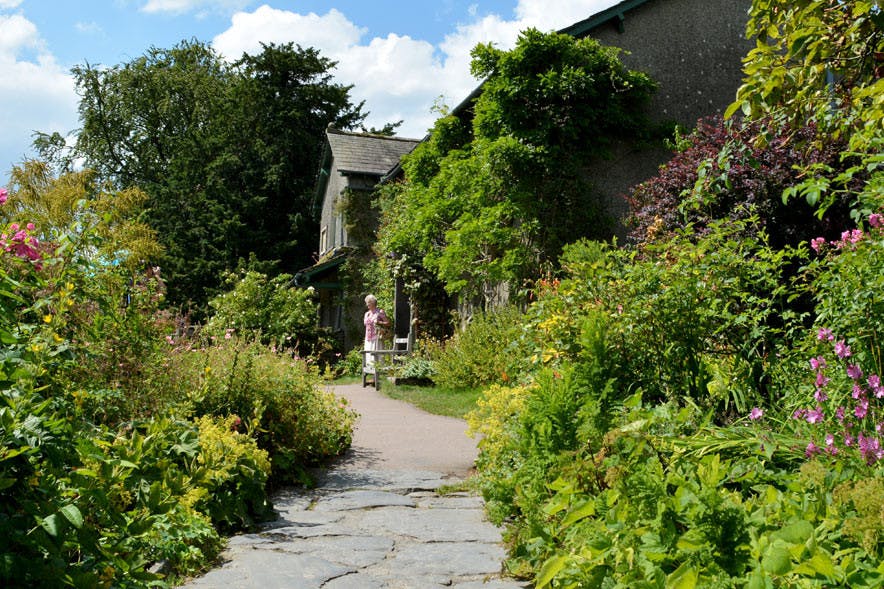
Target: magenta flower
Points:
(876, 220)
(4, 195)
(839, 413)
(854, 371)
(815, 415)
(824, 335)
(821, 380)
(799, 414)
(820, 396)
(817, 243)
(830, 440)
(756, 414)
(861, 409)
(842, 350)
(811, 450)
(870, 448)
(818, 362)
(875, 384)
(858, 392)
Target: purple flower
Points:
(876, 220)
(799, 414)
(848, 440)
(875, 384)
(815, 415)
(858, 392)
(842, 350)
(861, 409)
(854, 371)
(824, 335)
(830, 440)
(821, 380)
(870, 448)
(820, 395)
(755, 414)
(818, 362)
(839, 413)
(811, 450)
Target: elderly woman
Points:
(374, 319)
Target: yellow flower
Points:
(47, 318)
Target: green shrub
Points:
(481, 354)
(271, 310)
(279, 400)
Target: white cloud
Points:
(7, 4)
(198, 6)
(332, 33)
(398, 77)
(546, 15)
(38, 94)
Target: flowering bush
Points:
(848, 411)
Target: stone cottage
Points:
(693, 49)
(352, 165)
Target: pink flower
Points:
(842, 350)
(817, 243)
(820, 396)
(31, 226)
(4, 194)
(839, 413)
(875, 384)
(861, 409)
(756, 414)
(830, 440)
(811, 450)
(815, 415)
(818, 362)
(824, 335)
(876, 220)
(858, 392)
(870, 448)
(799, 414)
(821, 380)
(854, 372)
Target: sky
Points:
(401, 57)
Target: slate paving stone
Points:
(267, 569)
(431, 525)
(362, 500)
(361, 528)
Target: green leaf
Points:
(684, 577)
(795, 533)
(549, 570)
(73, 515)
(53, 525)
(778, 560)
(585, 509)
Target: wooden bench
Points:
(384, 361)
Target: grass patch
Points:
(437, 400)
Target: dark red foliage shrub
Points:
(742, 176)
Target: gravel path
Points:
(375, 520)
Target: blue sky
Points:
(400, 56)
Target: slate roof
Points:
(361, 153)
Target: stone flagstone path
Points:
(375, 520)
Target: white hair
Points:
(371, 299)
